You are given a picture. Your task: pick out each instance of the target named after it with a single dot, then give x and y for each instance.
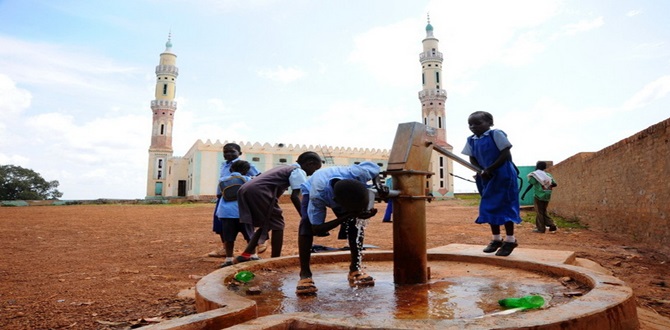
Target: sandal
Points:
(306, 287)
(360, 278)
(261, 248)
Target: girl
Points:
(231, 154)
(228, 211)
(497, 183)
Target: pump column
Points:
(408, 165)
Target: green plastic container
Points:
(527, 302)
(244, 276)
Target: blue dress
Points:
(500, 193)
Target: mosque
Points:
(195, 175)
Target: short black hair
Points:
(352, 195)
(541, 165)
(234, 146)
(487, 115)
(240, 166)
(309, 156)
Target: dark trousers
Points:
(542, 219)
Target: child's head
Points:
(240, 166)
(541, 165)
(231, 151)
(309, 161)
(352, 195)
(480, 122)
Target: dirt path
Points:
(117, 266)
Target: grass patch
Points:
(529, 216)
(472, 199)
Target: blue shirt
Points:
(229, 209)
(320, 190)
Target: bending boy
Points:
(344, 190)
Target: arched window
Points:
(162, 129)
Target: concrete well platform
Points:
(462, 294)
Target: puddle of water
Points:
(455, 291)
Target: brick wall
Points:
(622, 189)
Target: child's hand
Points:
(486, 175)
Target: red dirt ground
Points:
(122, 266)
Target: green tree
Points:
(18, 183)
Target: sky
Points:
(77, 77)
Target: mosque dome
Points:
(429, 27)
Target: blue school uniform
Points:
(500, 193)
(321, 193)
(224, 172)
(230, 209)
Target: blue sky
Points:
(77, 77)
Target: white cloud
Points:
(474, 34)
(282, 74)
(383, 52)
(523, 50)
(14, 100)
(653, 91)
(17, 160)
(583, 26)
(634, 12)
(352, 124)
(48, 64)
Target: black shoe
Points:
(537, 231)
(493, 246)
(553, 228)
(507, 249)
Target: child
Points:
(228, 211)
(342, 189)
(543, 183)
(259, 200)
(497, 183)
(231, 154)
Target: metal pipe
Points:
(459, 160)
(409, 229)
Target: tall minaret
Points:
(433, 98)
(163, 108)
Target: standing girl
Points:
(497, 183)
(231, 154)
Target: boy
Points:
(259, 200)
(543, 183)
(342, 189)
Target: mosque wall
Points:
(622, 189)
(201, 164)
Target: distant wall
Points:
(623, 189)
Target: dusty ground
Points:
(122, 266)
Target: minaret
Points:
(163, 108)
(433, 98)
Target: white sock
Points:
(229, 259)
(497, 237)
(510, 238)
(254, 255)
